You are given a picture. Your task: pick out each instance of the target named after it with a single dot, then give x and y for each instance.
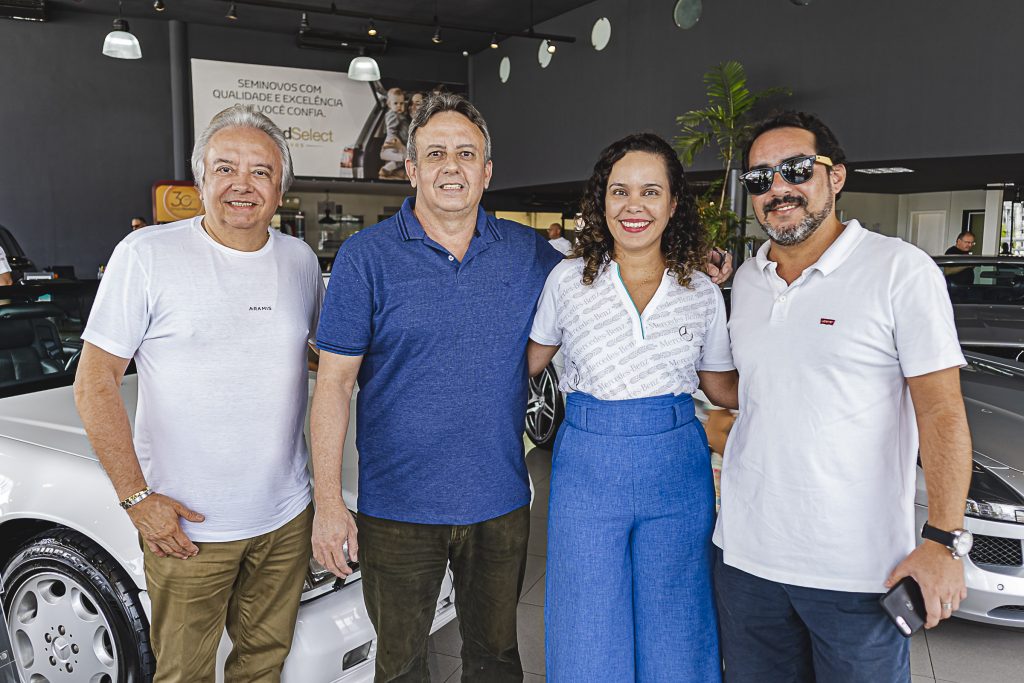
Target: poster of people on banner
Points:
(335, 127)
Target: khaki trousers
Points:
(251, 587)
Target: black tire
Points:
(545, 408)
(74, 614)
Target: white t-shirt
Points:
(613, 353)
(5, 267)
(561, 244)
(219, 339)
(819, 473)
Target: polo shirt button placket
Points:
(780, 308)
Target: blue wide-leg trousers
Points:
(628, 587)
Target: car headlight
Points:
(992, 498)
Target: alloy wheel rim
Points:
(58, 630)
(540, 409)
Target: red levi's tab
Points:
(827, 321)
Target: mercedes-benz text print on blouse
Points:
(612, 352)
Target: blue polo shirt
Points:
(443, 382)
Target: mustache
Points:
(786, 199)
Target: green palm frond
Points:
(724, 123)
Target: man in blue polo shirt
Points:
(430, 311)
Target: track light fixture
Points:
(494, 41)
(304, 23)
(371, 30)
(159, 5)
(551, 48)
(232, 13)
(436, 39)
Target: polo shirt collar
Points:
(410, 228)
(833, 257)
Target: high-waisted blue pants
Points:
(628, 588)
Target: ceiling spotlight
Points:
(232, 13)
(551, 48)
(371, 30)
(465, 53)
(159, 5)
(436, 39)
(120, 43)
(494, 41)
(304, 23)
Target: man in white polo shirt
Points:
(848, 361)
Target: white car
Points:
(74, 589)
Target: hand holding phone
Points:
(904, 605)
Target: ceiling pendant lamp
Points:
(363, 68)
(120, 43)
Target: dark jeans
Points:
(403, 566)
(778, 633)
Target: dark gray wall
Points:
(84, 136)
(895, 80)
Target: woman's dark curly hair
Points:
(683, 244)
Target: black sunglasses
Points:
(795, 171)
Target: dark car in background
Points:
(988, 302)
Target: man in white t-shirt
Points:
(557, 239)
(5, 269)
(216, 312)
(849, 362)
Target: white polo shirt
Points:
(819, 470)
(612, 352)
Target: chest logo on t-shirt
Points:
(260, 308)
(827, 321)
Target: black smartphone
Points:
(904, 605)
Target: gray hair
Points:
(242, 116)
(442, 102)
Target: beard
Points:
(798, 233)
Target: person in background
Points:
(138, 222)
(963, 246)
(557, 240)
(396, 124)
(961, 276)
(632, 496)
(415, 102)
(849, 370)
(1004, 249)
(216, 311)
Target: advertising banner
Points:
(321, 112)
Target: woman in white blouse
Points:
(628, 588)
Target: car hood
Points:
(49, 418)
(988, 325)
(993, 390)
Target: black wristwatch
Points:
(959, 541)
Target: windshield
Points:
(985, 283)
(41, 326)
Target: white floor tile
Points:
(920, 660)
(968, 652)
(531, 638)
(442, 666)
(535, 596)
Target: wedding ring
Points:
(947, 605)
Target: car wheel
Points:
(545, 409)
(73, 613)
